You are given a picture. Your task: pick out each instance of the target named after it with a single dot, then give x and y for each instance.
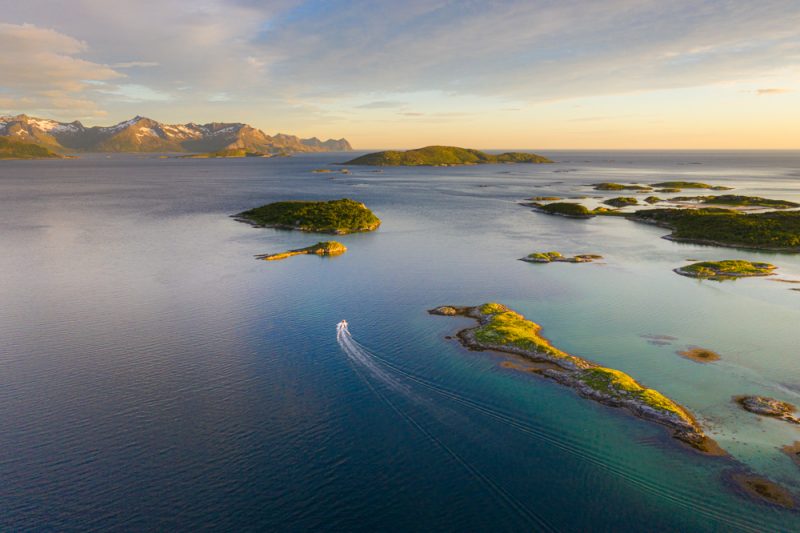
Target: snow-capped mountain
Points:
(141, 134)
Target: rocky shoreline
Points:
(588, 379)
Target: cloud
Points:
(763, 92)
(381, 104)
(41, 69)
(276, 55)
(135, 64)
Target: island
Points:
(443, 156)
(503, 330)
(653, 199)
(621, 201)
(726, 269)
(321, 248)
(230, 153)
(765, 406)
(699, 355)
(773, 230)
(564, 209)
(761, 489)
(678, 185)
(737, 201)
(793, 451)
(550, 257)
(333, 216)
(13, 149)
(610, 186)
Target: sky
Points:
(530, 74)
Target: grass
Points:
(321, 248)
(621, 201)
(12, 149)
(688, 185)
(610, 186)
(231, 152)
(653, 199)
(505, 327)
(725, 227)
(567, 209)
(443, 155)
(333, 216)
(736, 200)
(508, 328)
(728, 268)
(545, 257)
(619, 384)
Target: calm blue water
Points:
(154, 376)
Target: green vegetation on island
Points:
(726, 269)
(736, 201)
(12, 149)
(778, 231)
(228, 153)
(610, 186)
(653, 199)
(332, 216)
(443, 156)
(564, 209)
(550, 257)
(501, 329)
(621, 201)
(668, 189)
(321, 248)
(677, 185)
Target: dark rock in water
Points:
(765, 406)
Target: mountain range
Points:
(141, 134)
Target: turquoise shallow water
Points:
(153, 375)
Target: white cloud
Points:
(41, 70)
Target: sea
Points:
(155, 376)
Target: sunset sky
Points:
(505, 74)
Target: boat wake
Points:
(385, 377)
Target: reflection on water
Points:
(154, 375)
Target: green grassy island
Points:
(321, 248)
(501, 329)
(229, 153)
(609, 186)
(333, 216)
(653, 199)
(11, 149)
(676, 186)
(725, 270)
(734, 200)
(551, 257)
(443, 156)
(564, 209)
(779, 231)
(621, 201)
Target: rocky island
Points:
(564, 209)
(676, 186)
(333, 216)
(764, 406)
(778, 231)
(503, 330)
(321, 248)
(621, 201)
(551, 257)
(230, 153)
(734, 200)
(725, 270)
(610, 186)
(699, 355)
(443, 156)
